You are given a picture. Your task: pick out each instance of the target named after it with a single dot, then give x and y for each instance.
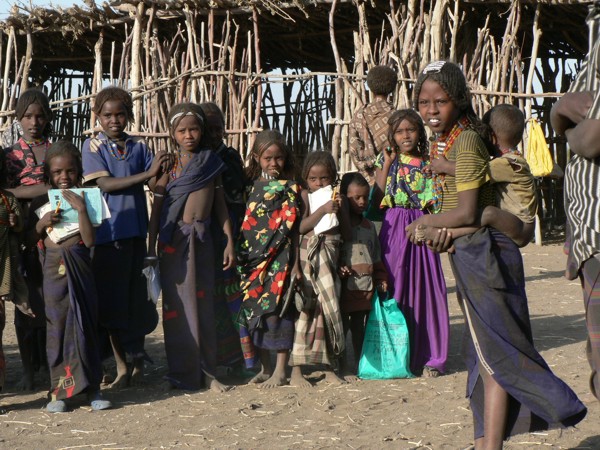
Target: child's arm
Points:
(15, 219)
(441, 165)
(381, 175)
(309, 221)
(112, 184)
(38, 231)
(508, 224)
(225, 222)
(160, 190)
(29, 192)
(86, 229)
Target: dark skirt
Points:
(123, 298)
(489, 274)
(72, 313)
(187, 275)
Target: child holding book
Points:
(69, 289)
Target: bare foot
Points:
(120, 382)
(261, 377)
(331, 377)
(350, 378)
(137, 374)
(430, 372)
(297, 379)
(217, 386)
(278, 379)
(107, 379)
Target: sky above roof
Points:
(5, 5)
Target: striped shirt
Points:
(582, 175)
(472, 161)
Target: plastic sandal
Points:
(57, 406)
(99, 403)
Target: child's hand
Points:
(345, 272)
(382, 287)
(161, 157)
(12, 219)
(228, 257)
(389, 154)
(25, 309)
(332, 206)
(296, 272)
(442, 242)
(47, 220)
(427, 170)
(439, 165)
(77, 202)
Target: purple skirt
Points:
(417, 283)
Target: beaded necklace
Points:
(442, 146)
(29, 144)
(118, 152)
(179, 162)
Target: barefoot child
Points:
(361, 269)
(417, 282)
(187, 195)
(510, 386)
(268, 251)
(319, 335)
(24, 166)
(513, 181)
(69, 288)
(120, 165)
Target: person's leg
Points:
(120, 360)
(590, 282)
(344, 356)
(297, 379)
(358, 324)
(265, 367)
(278, 377)
(510, 225)
(495, 412)
(25, 343)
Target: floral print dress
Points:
(264, 248)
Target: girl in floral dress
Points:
(267, 255)
(416, 280)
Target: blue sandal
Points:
(56, 406)
(99, 403)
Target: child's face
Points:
(436, 108)
(188, 134)
(33, 122)
(406, 136)
(215, 127)
(318, 177)
(272, 161)
(63, 172)
(358, 198)
(113, 119)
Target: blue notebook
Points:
(96, 206)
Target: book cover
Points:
(96, 206)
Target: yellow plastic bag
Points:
(538, 155)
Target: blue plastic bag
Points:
(386, 349)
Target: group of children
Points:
(308, 261)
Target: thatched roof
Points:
(293, 34)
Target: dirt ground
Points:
(400, 414)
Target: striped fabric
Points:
(582, 176)
(471, 158)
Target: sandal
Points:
(430, 372)
(57, 406)
(97, 402)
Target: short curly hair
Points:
(63, 147)
(382, 80)
(507, 123)
(113, 93)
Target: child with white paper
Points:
(319, 334)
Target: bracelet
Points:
(156, 194)
(151, 258)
